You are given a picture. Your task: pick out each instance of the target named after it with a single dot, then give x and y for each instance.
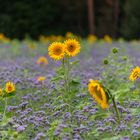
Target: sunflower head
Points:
(57, 50)
(135, 73)
(107, 39)
(98, 93)
(42, 60)
(91, 39)
(0, 91)
(10, 87)
(41, 78)
(32, 46)
(72, 47)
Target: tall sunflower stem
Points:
(4, 113)
(65, 78)
(68, 74)
(116, 109)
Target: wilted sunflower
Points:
(10, 87)
(56, 50)
(72, 47)
(135, 73)
(98, 93)
(42, 60)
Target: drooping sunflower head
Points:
(98, 93)
(42, 60)
(72, 47)
(135, 73)
(10, 87)
(57, 50)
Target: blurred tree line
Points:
(113, 17)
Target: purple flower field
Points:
(41, 110)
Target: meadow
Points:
(93, 94)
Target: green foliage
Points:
(22, 18)
(115, 78)
(131, 27)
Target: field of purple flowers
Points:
(40, 110)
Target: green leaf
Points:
(74, 62)
(57, 78)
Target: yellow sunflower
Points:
(135, 73)
(98, 93)
(10, 87)
(41, 78)
(42, 60)
(108, 39)
(32, 46)
(91, 39)
(56, 50)
(72, 47)
(0, 92)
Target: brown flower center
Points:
(71, 48)
(57, 51)
(9, 88)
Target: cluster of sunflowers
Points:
(70, 47)
(52, 38)
(93, 38)
(8, 90)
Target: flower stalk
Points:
(4, 113)
(66, 67)
(116, 109)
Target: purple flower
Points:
(135, 133)
(12, 108)
(125, 138)
(39, 136)
(21, 128)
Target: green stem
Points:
(116, 109)
(65, 78)
(68, 74)
(4, 113)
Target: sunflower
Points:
(98, 93)
(135, 73)
(56, 50)
(91, 39)
(32, 46)
(107, 39)
(42, 61)
(10, 87)
(0, 92)
(72, 47)
(41, 78)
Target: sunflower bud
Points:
(105, 61)
(114, 50)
